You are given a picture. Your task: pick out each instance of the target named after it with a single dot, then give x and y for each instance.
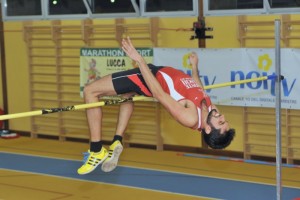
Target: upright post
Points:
(278, 110)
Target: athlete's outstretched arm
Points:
(195, 73)
(151, 81)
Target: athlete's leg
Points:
(96, 154)
(92, 92)
(125, 112)
(117, 83)
(116, 148)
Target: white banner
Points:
(98, 62)
(227, 65)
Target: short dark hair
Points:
(216, 140)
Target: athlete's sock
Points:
(96, 146)
(117, 137)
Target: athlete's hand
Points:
(129, 49)
(193, 58)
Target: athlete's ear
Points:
(207, 129)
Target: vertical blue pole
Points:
(278, 110)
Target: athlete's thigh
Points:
(102, 86)
(130, 81)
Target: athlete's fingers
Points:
(129, 42)
(129, 51)
(126, 44)
(126, 48)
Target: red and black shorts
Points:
(132, 81)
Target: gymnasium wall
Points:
(17, 74)
(225, 36)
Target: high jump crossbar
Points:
(120, 100)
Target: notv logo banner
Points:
(227, 65)
(264, 66)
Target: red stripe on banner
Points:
(138, 82)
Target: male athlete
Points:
(181, 95)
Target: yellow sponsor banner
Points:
(98, 62)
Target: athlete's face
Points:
(217, 120)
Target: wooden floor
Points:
(18, 184)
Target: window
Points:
(114, 8)
(63, 7)
(169, 8)
(284, 3)
(250, 7)
(111, 6)
(235, 4)
(168, 5)
(22, 7)
(82, 9)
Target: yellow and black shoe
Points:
(114, 153)
(91, 160)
